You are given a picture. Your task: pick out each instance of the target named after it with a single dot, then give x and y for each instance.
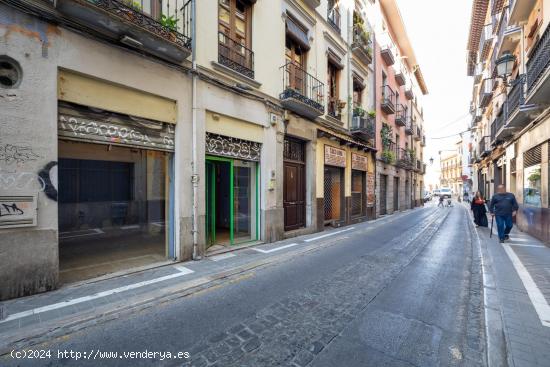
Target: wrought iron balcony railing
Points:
(401, 115)
(365, 127)
(486, 92)
(160, 27)
(388, 100)
(539, 62)
(516, 97)
(235, 56)
(302, 92)
(362, 43)
(334, 17)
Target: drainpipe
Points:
(350, 86)
(194, 162)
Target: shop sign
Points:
(334, 156)
(359, 162)
(370, 190)
(141, 134)
(232, 147)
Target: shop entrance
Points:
(334, 193)
(114, 209)
(231, 201)
(383, 194)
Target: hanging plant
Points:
(386, 133)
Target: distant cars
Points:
(445, 192)
(436, 192)
(427, 197)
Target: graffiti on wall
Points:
(10, 210)
(10, 154)
(43, 181)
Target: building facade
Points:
(399, 115)
(510, 114)
(133, 134)
(451, 162)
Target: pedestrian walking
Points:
(479, 210)
(503, 207)
(441, 199)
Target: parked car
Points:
(427, 197)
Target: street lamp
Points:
(505, 66)
(431, 161)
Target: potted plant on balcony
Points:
(371, 114)
(129, 12)
(358, 111)
(170, 23)
(388, 156)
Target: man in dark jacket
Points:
(503, 207)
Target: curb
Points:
(496, 351)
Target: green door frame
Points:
(212, 210)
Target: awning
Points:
(297, 33)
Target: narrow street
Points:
(372, 296)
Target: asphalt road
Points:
(406, 293)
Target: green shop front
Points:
(232, 191)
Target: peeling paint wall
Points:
(29, 142)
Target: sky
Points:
(438, 31)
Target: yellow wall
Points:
(88, 91)
(229, 126)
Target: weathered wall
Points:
(28, 134)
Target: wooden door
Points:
(294, 185)
(395, 194)
(383, 194)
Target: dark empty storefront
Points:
(114, 199)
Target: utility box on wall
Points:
(17, 211)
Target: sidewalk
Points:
(41, 317)
(517, 293)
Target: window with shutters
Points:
(532, 180)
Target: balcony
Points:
(389, 153)
(418, 134)
(364, 128)
(518, 111)
(409, 127)
(387, 50)
(477, 116)
(362, 44)
(520, 10)
(484, 147)
(409, 94)
(334, 17)
(235, 56)
(485, 92)
(137, 24)
(478, 72)
(538, 71)
(486, 41)
(401, 115)
(405, 159)
(499, 130)
(312, 3)
(302, 92)
(400, 76)
(387, 101)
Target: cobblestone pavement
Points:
(294, 331)
(399, 292)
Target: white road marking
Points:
(536, 296)
(520, 239)
(328, 234)
(522, 245)
(274, 249)
(181, 272)
(221, 256)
